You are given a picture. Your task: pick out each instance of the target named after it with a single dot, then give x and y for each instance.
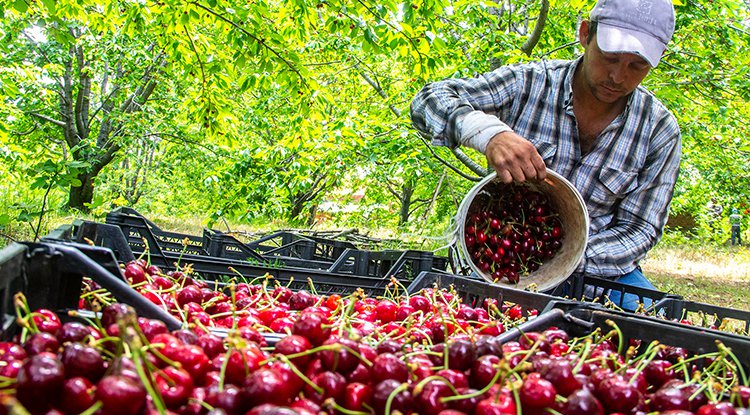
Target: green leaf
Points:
(20, 5)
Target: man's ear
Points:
(583, 33)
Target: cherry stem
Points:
(620, 339)
(301, 375)
(331, 403)
(402, 387)
(723, 349)
(93, 409)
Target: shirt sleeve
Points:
(640, 217)
(440, 109)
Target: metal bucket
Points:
(568, 203)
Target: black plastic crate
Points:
(584, 319)
(50, 276)
(141, 233)
(474, 291)
(710, 316)
(593, 289)
(111, 238)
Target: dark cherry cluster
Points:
(511, 230)
(133, 366)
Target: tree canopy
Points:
(257, 109)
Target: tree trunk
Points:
(83, 195)
(406, 193)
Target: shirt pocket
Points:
(610, 187)
(547, 151)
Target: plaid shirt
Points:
(627, 178)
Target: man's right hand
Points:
(514, 158)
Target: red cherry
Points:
(120, 395)
(175, 386)
(77, 395)
(39, 382)
(342, 357)
(537, 393)
(267, 386)
(357, 397)
(46, 320)
(389, 366)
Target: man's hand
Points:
(514, 158)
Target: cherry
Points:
(342, 357)
(120, 395)
(292, 345)
(10, 368)
(312, 326)
(582, 402)
(461, 354)
(429, 399)
(301, 300)
(386, 310)
(46, 321)
(383, 391)
(669, 398)
(268, 386)
(40, 381)
(10, 351)
(389, 366)
(241, 363)
(333, 385)
(188, 295)
(658, 372)
(228, 399)
(488, 345)
(719, 408)
(77, 395)
(560, 373)
(194, 360)
(616, 395)
(134, 273)
(73, 332)
(454, 377)
(466, 405)
(175, 386)
(484, 371)
(537, 393)
(41, 342)
(114, 313)
(357, 397)
(500, 404)
(83, 361)
(211, 344)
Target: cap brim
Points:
(621, 40)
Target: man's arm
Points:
(640, 218)
(466, 112)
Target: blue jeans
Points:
(636, 279)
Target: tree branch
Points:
(46, 118)
(541, 21)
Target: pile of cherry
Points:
(429, 315)
(511, 230)
(124, 365)
(427, 353)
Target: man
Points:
(735, 220)
(588, 120)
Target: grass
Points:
(706, 274)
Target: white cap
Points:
(643, 27)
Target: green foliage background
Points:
(279, 113)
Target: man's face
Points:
(611, 76)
